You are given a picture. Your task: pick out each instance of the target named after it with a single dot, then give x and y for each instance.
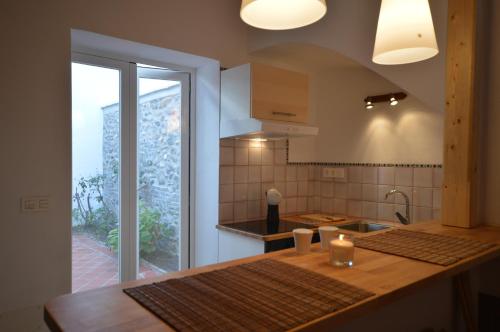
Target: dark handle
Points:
(284, 113)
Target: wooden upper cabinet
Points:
(279, 94)
(264, 92)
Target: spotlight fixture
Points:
(392, 98)
(369, 104)
(281, 14)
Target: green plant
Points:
(112, 239)
(92, 214)
(151, 231)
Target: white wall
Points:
(35, 122)
(409, 133)
(349, 28)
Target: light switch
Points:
(34, 204)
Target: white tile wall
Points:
(340, 206)
(240, 174)
(226, 175)
(255, 156)
(280, 156)
(422, 177)
(226, 156)
(254, 174)
(249, 169)
(241, 156)
(355, 191)
(369, 210)
(226, 193)
(370, 192)
(267, 156)
(291, 173)
(240, 192)
(386, 175)
(355, 174)
(403, 176)
(370, 175)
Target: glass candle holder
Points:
(342, 251)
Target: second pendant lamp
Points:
(405, 33)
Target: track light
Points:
(392, 98)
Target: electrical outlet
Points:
(34, 204)
(334, 172)
(339, 173)
(328, 172)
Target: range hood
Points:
(266, 129)
(261, 101)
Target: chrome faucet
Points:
(402, 219)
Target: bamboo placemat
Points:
(265, 295)
(430, 248)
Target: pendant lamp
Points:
(281, 14)
(405, 33)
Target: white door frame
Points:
(125, 255)
(128, 254)
(184, 79)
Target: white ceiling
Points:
(305, 57)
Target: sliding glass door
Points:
(162, 169)
(130, 171)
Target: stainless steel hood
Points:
(266, 129)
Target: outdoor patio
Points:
(95, 265)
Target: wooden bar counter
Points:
(389, 277)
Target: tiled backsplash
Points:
(250, 168)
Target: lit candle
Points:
(341, 251)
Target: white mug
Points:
(302, 238)
(326, 234)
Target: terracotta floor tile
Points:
(94, 265)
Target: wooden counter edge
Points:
(336, 318)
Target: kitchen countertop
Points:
(298, 218)
(388, 276)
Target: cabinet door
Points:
(279, 94)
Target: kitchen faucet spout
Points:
(404, 220)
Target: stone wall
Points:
(159, 155)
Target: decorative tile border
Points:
(343, 164)
(339, 164)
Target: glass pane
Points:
(159, 175)
(95, 185)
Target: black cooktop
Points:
(262, 227)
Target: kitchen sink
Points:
(363, 226)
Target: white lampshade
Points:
(281, 14)
(405, 33)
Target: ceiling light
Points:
(405, 33)
(392, 98)
(281, 14)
